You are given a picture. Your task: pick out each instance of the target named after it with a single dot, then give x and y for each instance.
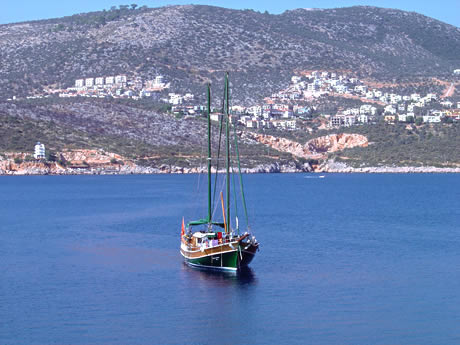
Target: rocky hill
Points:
(146, 136)
(193, 44)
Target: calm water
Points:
(347, 259)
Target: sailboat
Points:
(219, 245)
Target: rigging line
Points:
(216, 206)
(241, 179)
(234, 194)
(197, 201)
(217, 160)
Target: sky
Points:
(23, 10)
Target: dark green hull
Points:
(231, 260)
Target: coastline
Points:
(274, 168)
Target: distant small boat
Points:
(315, 176)
(219, 245)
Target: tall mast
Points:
(227, 106)
(209, 152)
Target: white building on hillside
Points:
(39, 152)
(120, 79)
(89, 82)
(362, 118)
(432, 118)
(295, 79)
(99, 81)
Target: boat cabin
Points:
(207, 239)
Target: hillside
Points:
(150, 138)
(147, 136)
(193, 44)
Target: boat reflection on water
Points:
(245, 276)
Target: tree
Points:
(418, 121)
(133, 6)
(447, 119)
(51, 156)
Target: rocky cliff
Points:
(317, 148)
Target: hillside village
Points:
(282, 109)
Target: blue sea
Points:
(344, 259)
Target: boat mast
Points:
(209, 153)
(228, 146)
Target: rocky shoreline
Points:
(43, 169)
(338, 167)
(98, 162)
(290, 167)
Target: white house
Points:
(39, 152)
(431, 96)
(351, 111)
(175, 98)
(312, 87)
(404, 117)
(395, 98)
(120, 79)
(99, 81)
(255, 110)
(367, 109)
(361, 89)
(457, 71)
(341, 89)
(447, 104)
(109, 80)
(214, 117)
(189, 97)
(369, 94)
(350, 120)
(295, 79)
(336, 121)
(363, 118)
(415, 97)
(159, 81)
(89, 82)
(284, 124)
(432, 118)
(342, 120)
(252, 124)
(389, 109)
(79, 83)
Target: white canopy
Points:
(200, 234)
